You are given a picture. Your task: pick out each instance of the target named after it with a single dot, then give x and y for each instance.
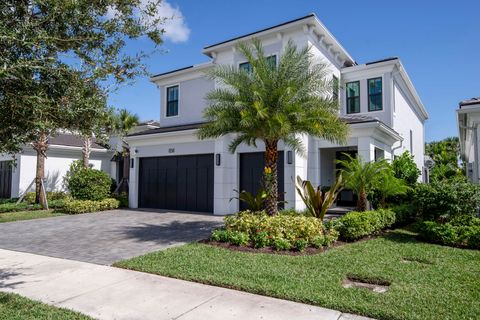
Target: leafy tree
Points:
(270, 103)
(405, 168)
(362, 177)
(445, 154)
(52, 50)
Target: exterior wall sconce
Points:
(289, 157)
(217, 159)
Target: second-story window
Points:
(172, 101)
(271, 60)
(353, 97)
(375, 94)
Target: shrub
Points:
(300, 244)
(51, 196)
(239, 238)
(279, 232)
(281, 244)
(405, 168)
(84, 206)
(356, 225)
(463, 231)
(261, 239)
(13, 207)
(446, 198)
(123, 198)
(404, 213)
(89, 184)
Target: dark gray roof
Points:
(350, 119)
(183, 127)
(358, 118)
(382, 60)
(468, 102)
(70, 140)
(262, 30)
(172, 71)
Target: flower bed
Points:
(280, 232)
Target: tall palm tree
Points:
(361, 176)
(271, 102)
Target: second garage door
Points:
(177, 183)
(5, 179)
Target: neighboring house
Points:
(63, 149)
(171, 168)
(468, 116)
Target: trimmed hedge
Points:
(446, 199)
(89, 184)
(356, 225)
(462, 231)
(84, 206)
(51, 196)
(281, 232)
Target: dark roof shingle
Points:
(70, 140)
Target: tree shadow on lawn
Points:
(175, 231)
(401, 236)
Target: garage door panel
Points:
(5, 179)
(179, 183)
(251, 173)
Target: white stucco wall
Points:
(404, 120)
(56, 166)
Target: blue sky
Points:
(437, 41)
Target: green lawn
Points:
(15, 307)
(447, 286)
(28, 215)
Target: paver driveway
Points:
(106, 237)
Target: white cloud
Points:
(176, 29)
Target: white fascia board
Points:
(62, 147)
(196, 71)
(469, 109)
(377, 126)
(165, 137)
(366, 71)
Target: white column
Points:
(225, 178)
(314, 158)
(133, 181)
(299, 167)
(366, 148)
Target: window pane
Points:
(353, 89)
(172, 101)
(375, 94)
(245, 66)
(272, 61)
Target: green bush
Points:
(281, 232)
(89, 184)
(123, 198)
(462, 231)
(13, 207)
(356, 225)
(300, 244)
(404, 213)
(261, 239)
(405, 168)
(84, 206)
(51, 196)
(281, 244)
(446, 199)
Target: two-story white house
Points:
(172, 169)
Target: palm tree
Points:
(123, 122)
(270, 102)
(389, 186)
(361, 176)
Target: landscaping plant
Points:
(356, 225)
(253, 202)
(405, 168)
(86, 183)
(316, 200)
(85, 206)
(273, 101)
(361, 176)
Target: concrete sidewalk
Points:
(106, 292)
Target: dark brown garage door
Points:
(251, 173)
(177, 183)
(5, 179)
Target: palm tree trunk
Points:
(362, 200)
(270, 178)
(40, 146)
(86, 150)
